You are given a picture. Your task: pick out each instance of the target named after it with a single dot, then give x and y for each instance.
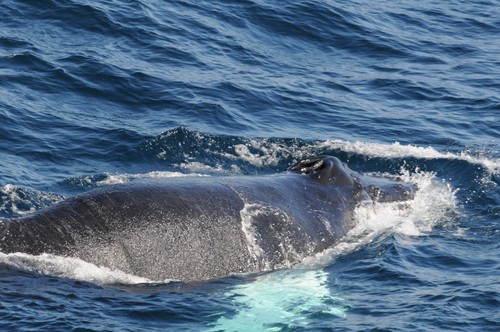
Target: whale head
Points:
(324, 169)
(330, 170)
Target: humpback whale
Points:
(191, 229)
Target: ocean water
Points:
(94, 93)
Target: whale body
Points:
(200, 228)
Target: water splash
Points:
(73, 268)
(20, 201)
(435, 203)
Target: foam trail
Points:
(263, 153)
(291, 296)
(69, 267)
(396, 150)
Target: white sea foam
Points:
(11, 196)
(69, 267)
(112, 179)
(21, 201)
(264, 153)
(195, 166)
(397, 150)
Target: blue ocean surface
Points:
(95, 93)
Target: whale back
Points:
(200, 228)
(188, 229)
(184, 231)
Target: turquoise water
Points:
(94, 93)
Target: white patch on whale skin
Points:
(258, 256)
(280, 229)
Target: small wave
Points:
(397, 150)
(20, 201)
(73, 268)
(266, 153)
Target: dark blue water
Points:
(94, 93)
